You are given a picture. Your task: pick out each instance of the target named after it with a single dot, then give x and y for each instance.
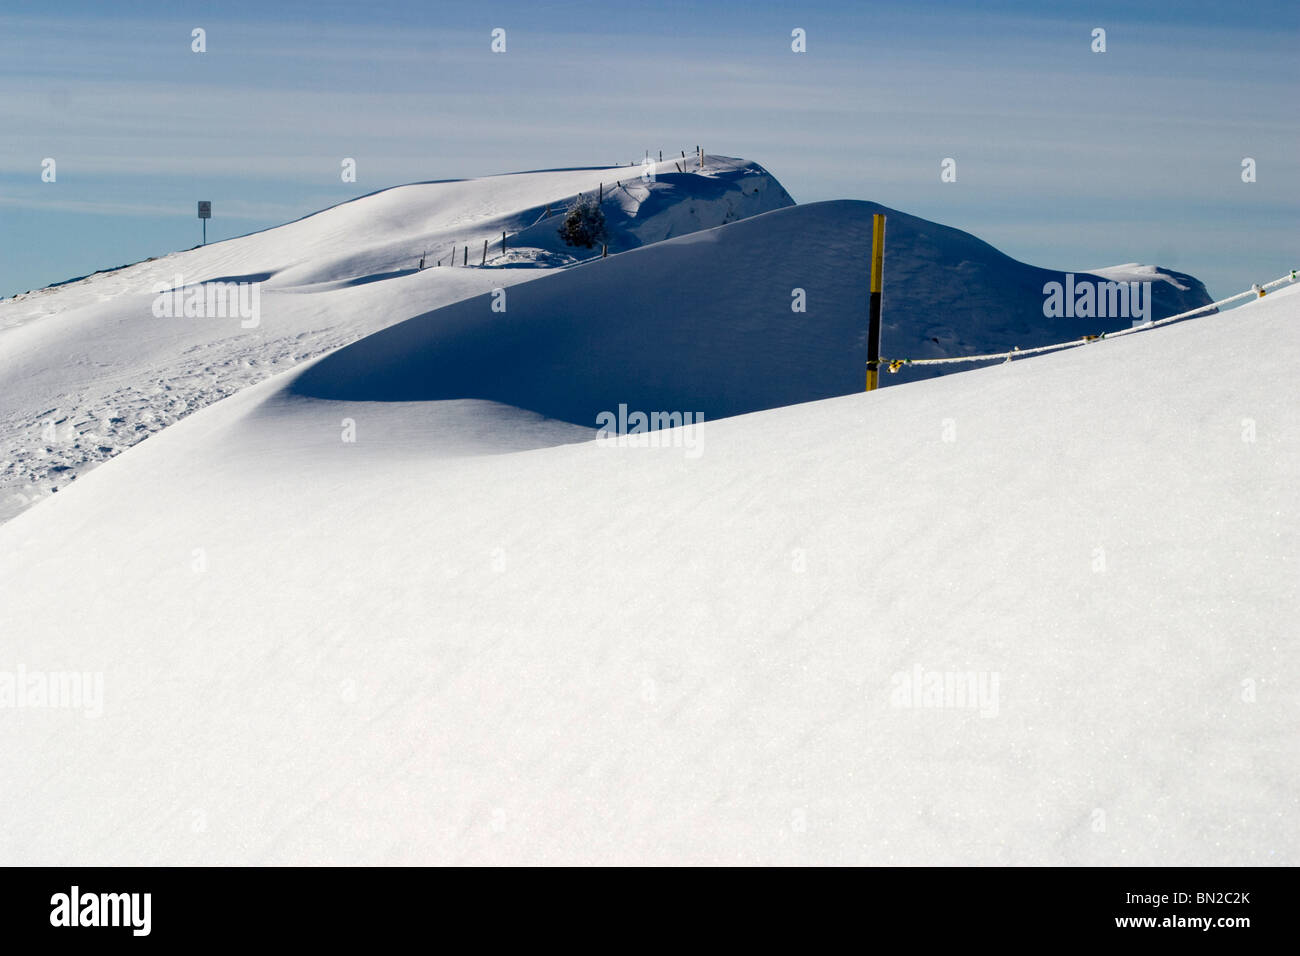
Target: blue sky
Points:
(1065, 158)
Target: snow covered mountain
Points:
(711, 326)
(88, 368)
(400, 604)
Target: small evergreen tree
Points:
(584, 224)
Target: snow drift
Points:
(87, 369)
(707, 323)
(316, 650)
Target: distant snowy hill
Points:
(87, 369)
(706, 323)
(692, 313)
(948, 294)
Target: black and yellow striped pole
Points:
(877, 276)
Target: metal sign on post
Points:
(205, 213)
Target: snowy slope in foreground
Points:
(398, 650)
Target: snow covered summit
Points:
(89, 368)
(721, 297)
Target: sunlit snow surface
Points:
(473, 634)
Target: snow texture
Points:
(475, 635)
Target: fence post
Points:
(877, 277)
(503, 242)
(484, 262)
(465, 261)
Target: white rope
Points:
(895, 364)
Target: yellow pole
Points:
(877, 279)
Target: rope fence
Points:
(1258, 291)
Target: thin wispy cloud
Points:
(1036, 122)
